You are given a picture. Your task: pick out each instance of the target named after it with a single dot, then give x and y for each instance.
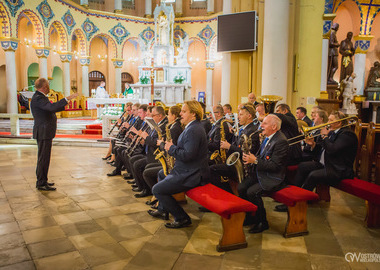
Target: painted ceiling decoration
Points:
(119, 33)
(46, 12)
(206, 34)
(89, 28)
(69, 21)
(178, 32)
(14, 5)
(147, 35)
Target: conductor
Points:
(44, 129)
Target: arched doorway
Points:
(33, 74)
(56, 83)
(95, 77)
(126, 78)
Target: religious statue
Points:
(347, 50)
(163, 24)
(145, 51)
(347, 85)
(333, 55)
(182, 51)
(374, 74)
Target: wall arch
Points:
(38, 33)
(5, 24)
(57, 83)
(62, 34)
(82, 47)
(110, 42)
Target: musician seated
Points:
(151, 138)
(268, 172)
(289, 127)
(337, 148)
(249, 125)
(314, 110)
(301, 114)
(205, 121)
(190, 169)
(227, 109)
(260, 112)
(215, 134)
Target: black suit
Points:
(214, 135)
(206, 124)
(308, 121)
(44, 130)
(339, 152)
(190, 169)
(268, 175)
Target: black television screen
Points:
(237, 32)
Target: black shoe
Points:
(132, 182)
(281, 208)
(259, 227)
(158, 214)
(137, 189)
(115, 172)
(51, 184)
(143, 194)
(46, 188)
(134, 186)
(179, 224)
(203, 209)
(128, 177)
(106, 158)
(151, 202)
(111, 162)
(154, 207)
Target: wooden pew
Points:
(369, 150)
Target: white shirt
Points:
(101, 92)
(189, 124)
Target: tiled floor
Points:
(94, 222)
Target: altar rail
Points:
(15, 122)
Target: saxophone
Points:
(220, 156)
(163, 157)
(234, 158)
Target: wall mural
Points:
(119, 33)
(206, 34)
(46, 12)
(178, 33)
(14, 5)
(69, 21)
(147, 35)
(89, 28)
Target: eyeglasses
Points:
(247, 108)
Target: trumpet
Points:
(311, 132)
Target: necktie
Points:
(240, 131)
(263, 145)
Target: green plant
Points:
(144, 80)
(179, 79)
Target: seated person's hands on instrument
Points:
(249, 158)
(225, 145)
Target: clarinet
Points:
(137, 140)
(116, 123)
(119, 134)
(122, 141)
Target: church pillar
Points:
(10, 46)
(362, 43)
(275, 48)
(327, 23)
(85, 62)
(209, 95)
(178, 8)
(210, 6)
(42, 54)
(148, 8)
(84, 3)
(118, 6)
(226, 63)
(118, 64)
(66, 58)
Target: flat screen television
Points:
(237, 32)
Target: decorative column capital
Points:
(117, 62)
(42, 52)
(327, 23)
(210, 65)
(362, 43)
(9, 43)
(66, 56)
(85, 60)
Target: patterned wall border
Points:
(37, 24)
(63, 37)
(82, 41)
(111, 42)
(6, 31)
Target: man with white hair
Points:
(268, 172)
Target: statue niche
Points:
(373, 86)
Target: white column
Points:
(275, 48)
(43, 67)
(148, 8)
(325, 56)
(209, 94)
(210, 6)
(85, 62)
(118, 6)
(359, 70)
(66, 79)
(10, 65)
(178, 8)
(226, 63)
(118, 64)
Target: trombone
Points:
(310, 132)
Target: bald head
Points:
(251, 98)
(42, 85)
(271, 124)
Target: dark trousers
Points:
(129, 160)
(150, 174)
(43, 162)
(119, 157)
(310, 173)
(218, 170)
(251, 190)
(164, 190)
(138, 163)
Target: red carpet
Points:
(95, 129)
(77, 136)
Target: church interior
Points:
(309, 54)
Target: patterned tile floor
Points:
(94, 222)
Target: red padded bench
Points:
(296, 199)
(362, 189)
(231, 209)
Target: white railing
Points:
(15, 123)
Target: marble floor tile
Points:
(278, 242)
(133, 246)
(71, 218)
(43, 234)
(11, 240)
(38, 222)
(70, 260)
(196, 262)
(115, 221)
(50, 248)
(14, 255)
(82, 227)
(102, 254)
(10, 227)
(27, 265)
(91, 239)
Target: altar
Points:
(169, 94)
(101, 103)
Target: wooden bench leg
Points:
(297, 222)
(373, 215)
(323, 192)
(180, 198)
(233, 235)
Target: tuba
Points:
(234, 158)
(269, 102)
